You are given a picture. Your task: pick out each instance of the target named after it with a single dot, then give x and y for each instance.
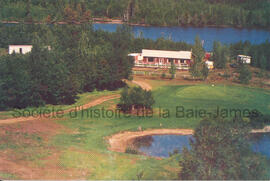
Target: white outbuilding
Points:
(244, 59)
(22, 49)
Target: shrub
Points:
(131, 150)
(175, 152)
(258, 120)
(135, 97)
(226, 75)
(163, 75)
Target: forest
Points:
(234, 13)
(259, 52)
(82, 59)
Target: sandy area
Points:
(266, 129)
(120, 141)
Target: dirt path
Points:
(119, 141)
(88, 105)
(142, 84)
(98, 101)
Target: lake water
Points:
(261, 144)
(162, 145)
(188, 34)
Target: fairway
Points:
(210, 97)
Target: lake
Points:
(163, 145)
(188, 34)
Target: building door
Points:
(160, 61)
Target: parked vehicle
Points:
(233, 65)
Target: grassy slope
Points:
(82, 99)
(85, 146)
(90, 132)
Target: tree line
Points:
(259, 53)
(80, 60)
(238, 13)
(223, 54)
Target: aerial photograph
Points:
(134, 90)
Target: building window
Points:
(20, 50)
(170, 60)
(182, 61)
(150, 59)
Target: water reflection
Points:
(165, 145)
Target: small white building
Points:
(244, 59)
(22, 49)
(209, 64)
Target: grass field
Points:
(80, 146)
(82, 99)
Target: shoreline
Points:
(120, 22)
(119, 141)
(266, 129)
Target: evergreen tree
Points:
(263, 62)
(220, 150)
(16, 86)
(195, 69)
(198, 50)
(244, 74)
(219, 55)
(198, 53)
(172, 70)
(205, 71)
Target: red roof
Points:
(207, 55)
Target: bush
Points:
(258, 120)
(135, 97)
(226, 75)
(131, 150)
(163, 75)
(175, 152)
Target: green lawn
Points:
(85, 145)
(8, 176)
(82, 99)
(210, 98)
(90, 132)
